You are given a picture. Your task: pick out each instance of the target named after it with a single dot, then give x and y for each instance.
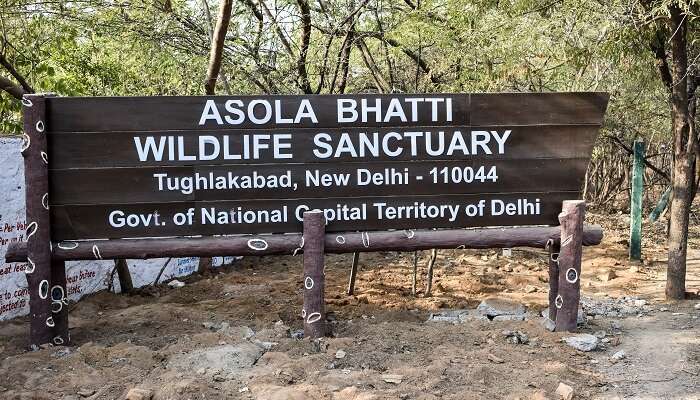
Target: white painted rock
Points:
(583, 342)
(176, 284)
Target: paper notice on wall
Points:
(83, 277)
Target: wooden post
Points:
(353, 272)
(431, 264)
(636, 201)
(414, 279)
(59, 303)
(125, 283)
(36, 178)
(569, 285)
(314, 275)
(553, 249)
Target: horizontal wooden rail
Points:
(345, 242)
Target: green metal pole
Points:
(636, 201)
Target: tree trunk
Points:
(684, 155)
(217, 46)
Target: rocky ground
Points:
(479, 336)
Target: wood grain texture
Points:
(76, 222)
(139, 185)
(569, 282)
(38, 221)
(117, 149)
(314, 312)
(335, 243)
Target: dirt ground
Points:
(234, 334)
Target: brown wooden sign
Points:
(181, 166)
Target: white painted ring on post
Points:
(365, 239)
(303, 313)
(313, 317)
(30, 266)
(44, 289)
(49, 322)
(554, 257)
(340, 239)
(257, 244)
(40, 126)
(68, 246)
(567, 240)
(45, 157)
(308, 283)
(410, 233)
(301, 246)
(26, 141)
(96, 252)
(45, 201)
(59, 289)
(571, 275)
(56, 306)
(26, 102)
(31, 229)
(558, 301)
(58, 341)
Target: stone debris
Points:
(139, 394)
(495, 359)
(565, 391)
(580, 317)
(340, 354)
(620, 355)
(495, 307)
(228, 358)
(392, 378)
(548, 324)
(600, 334)
(607, 275)
(456, 316)
(614, 308)
(530, 289)
(516, 337)
(697, 306)
(175, 284)
(582, 342)
(85, 392)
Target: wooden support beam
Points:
(636, 201)
(353, 272)
(335, 243)
(59, 303)
(314, 276)
(414, 280)
(38, 244)
(429, 275)
(125, 283)
(569, 260)
(553, 249)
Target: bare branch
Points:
(217, 46)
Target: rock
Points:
(616, 325)
(228, 358)
(139, 394)
(530, 289)
(265, 345)
(634, 269)
(697, 306)
(176, 284)
(582, 342)
(85, 392)
(495, 359)
(340, 354)
(640, 303)
(600, 334)
(456, 316)
(580, 317)
(565, 391)
(493, 307)
(538, 395)
(501, 318)
(392, 378)
(607, 275)
(298, 334)
(516, 337)
(620, 355)
(548, 324)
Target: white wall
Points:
(84, 277)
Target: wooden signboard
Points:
(180, 166)
(125, 168)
